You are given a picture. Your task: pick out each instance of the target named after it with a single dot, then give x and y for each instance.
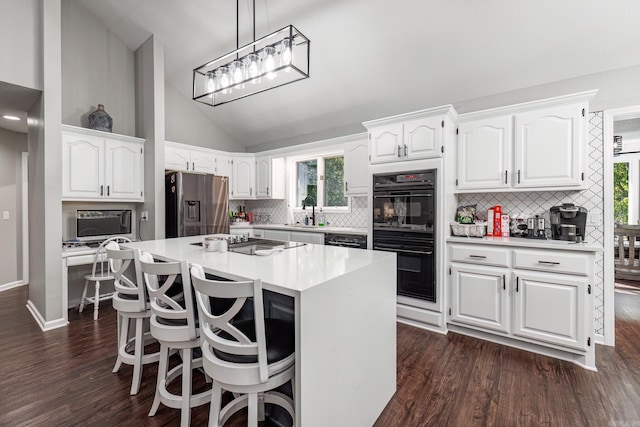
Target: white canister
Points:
(221, 245)
(209, 244)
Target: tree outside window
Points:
(621, 193)
(321, 178)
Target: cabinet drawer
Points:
(552, 261)
(480, 254)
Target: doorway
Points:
(622, 194)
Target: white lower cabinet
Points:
(551, 309)
(276, 235)
(479, 297)
(539, 297)
(292, 236)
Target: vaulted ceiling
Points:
(375, 58)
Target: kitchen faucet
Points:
(311, 200)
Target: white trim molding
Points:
(11, 285)
(44, 325)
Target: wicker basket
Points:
(468, 230)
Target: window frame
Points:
(633, 159)
(293, 177)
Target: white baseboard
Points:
(599, 339)
(44, 325)
(12, 285)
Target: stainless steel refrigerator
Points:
(196, 204)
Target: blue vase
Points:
(100, 120)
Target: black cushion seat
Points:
(279, 334)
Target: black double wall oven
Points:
(404, 221)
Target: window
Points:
(322, 179)
(626, 189)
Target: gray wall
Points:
(97, 68)
(20, 29)
(12, 145)
(186, 123)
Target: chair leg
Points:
(84, 295)
(96, 301)
(216, 400)
(163, 365)
(137, 357)
(187, 357)
(123, 331)
(252, 418)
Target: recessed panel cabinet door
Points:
(479, 297)
(550, 309)
(263, 177)
(422, 138)
(357, 176)
(177, 159)
(203, 161)
(82, 166)
(549, 147)
(124, 163)
(243, 178)
(484, 154)
(386, 144)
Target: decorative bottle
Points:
(100, 120)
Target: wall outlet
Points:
(144, 216)
(5, 215)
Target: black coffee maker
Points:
(568, 222)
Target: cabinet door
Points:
(484, 153)
(386, 144)
(263, 177)
(357, 177)
(479, 297)
(177, 159)
(203, 161)
(551, 308)
(550, 146)
(82, 166)
(223, 165)
(276, 235)
(242, 182)
(307, 237)
(423, 138)
(124, 170)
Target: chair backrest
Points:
(628, 245)
(219, 337)
(99, 265)
(159, 277)
(120, 261)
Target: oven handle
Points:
(353, 245)
(403, 250)
(376, 196)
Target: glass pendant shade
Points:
(284, 50)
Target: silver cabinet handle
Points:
(267, 191)
(505, 177)
(187, 165)
(504, 282)
(403, 250)
(517, 283)
(102, 190)
(518, 176)
(478, 256)
(251, 191)
(108, 189)
(346, 186)
(405, 150)
(549, 262)
(399, 152)
(193, 166)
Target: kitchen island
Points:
(345, 321)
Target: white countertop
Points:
(528, 243)
(290, 271)
(307, 228)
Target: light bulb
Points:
(286, 54)
(253, 67)
(269, 62)
(211, 83)
(224, 78)
(237, 73)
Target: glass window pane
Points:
(306, 181)
(621, 193)
(334, 182)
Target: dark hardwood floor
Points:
(63, 378)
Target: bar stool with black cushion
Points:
(249, 358)
(173, 324)
(101, 272)
(132, 305)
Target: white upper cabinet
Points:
(98, 166)
(550, 147)
(484, 153)
(270, 177)
(357, 175)
(412, 136)
(187, 158)
(223, 165)
(541, 145)
(242, 178)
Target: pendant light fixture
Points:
(274, 60)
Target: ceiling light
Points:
(8, 117)
(282, 57)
